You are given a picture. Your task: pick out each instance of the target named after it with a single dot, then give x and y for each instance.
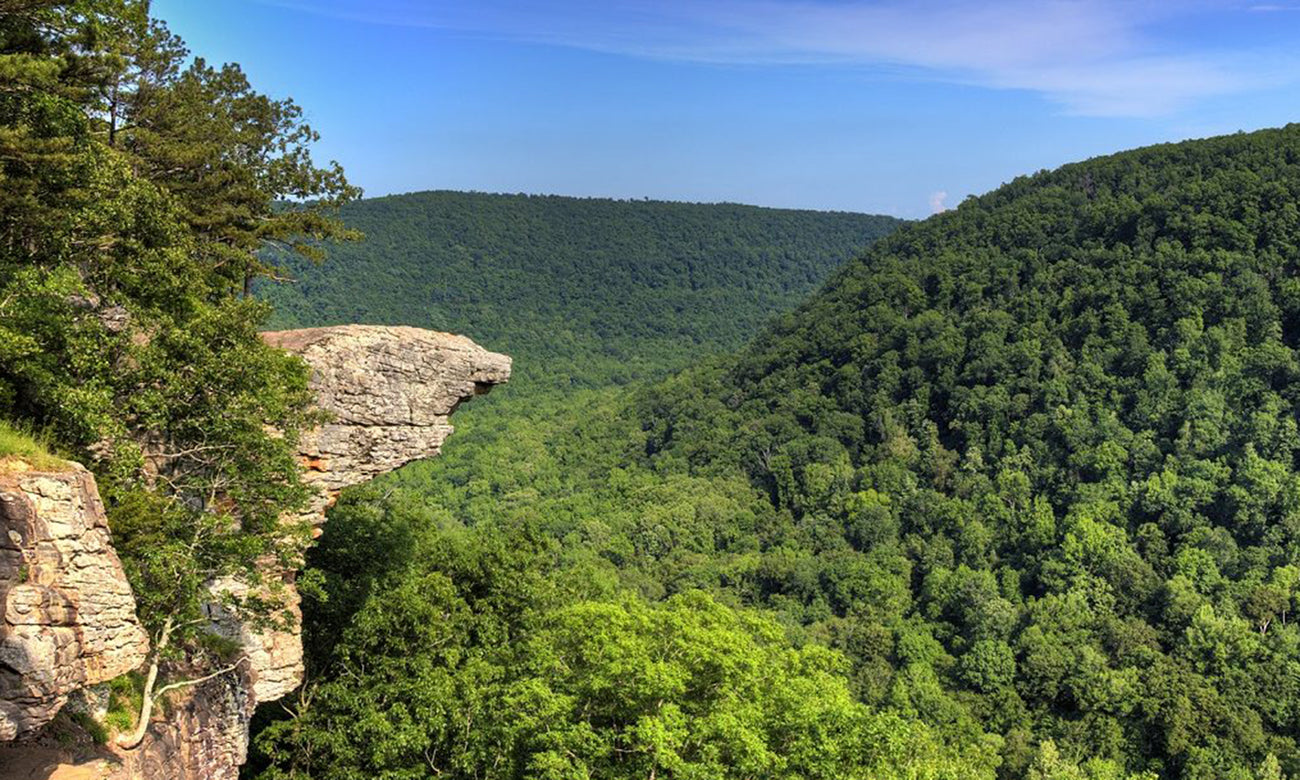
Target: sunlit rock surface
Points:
(389, 392)
(69, 614)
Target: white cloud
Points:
(1092, 57)
(937, 201)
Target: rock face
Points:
(69, 614)
(275, 665)
(390, 391)
(205, 735)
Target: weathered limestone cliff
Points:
(69, 614)
(390, 392)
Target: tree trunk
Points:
(132, 740)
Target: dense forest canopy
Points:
(587, 295)
(581, 292)
(1069, 408)
(1029, 466)
(1015, 495)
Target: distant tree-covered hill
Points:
(577, 290)
(1032, 466)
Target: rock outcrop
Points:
(69, 614)
(389, 392)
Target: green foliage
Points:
(479, 654)
(229, 155)
(580, 292)
(1077, 396)
(1030, 466)
(15, 442)
(121, 330)
(124, 698)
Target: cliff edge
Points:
(390, 392)
(69, 618)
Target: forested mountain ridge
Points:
(581, 291)
(1067, 410)
(1029, 465)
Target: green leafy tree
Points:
(478, 661)
(121, 331)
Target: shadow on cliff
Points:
(372, 533)
(45, 758)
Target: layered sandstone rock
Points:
(389, 391)
(204, 735)
(69, 614)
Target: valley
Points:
(300, 484)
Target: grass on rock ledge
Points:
(19, 444)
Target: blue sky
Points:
(893, 107)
